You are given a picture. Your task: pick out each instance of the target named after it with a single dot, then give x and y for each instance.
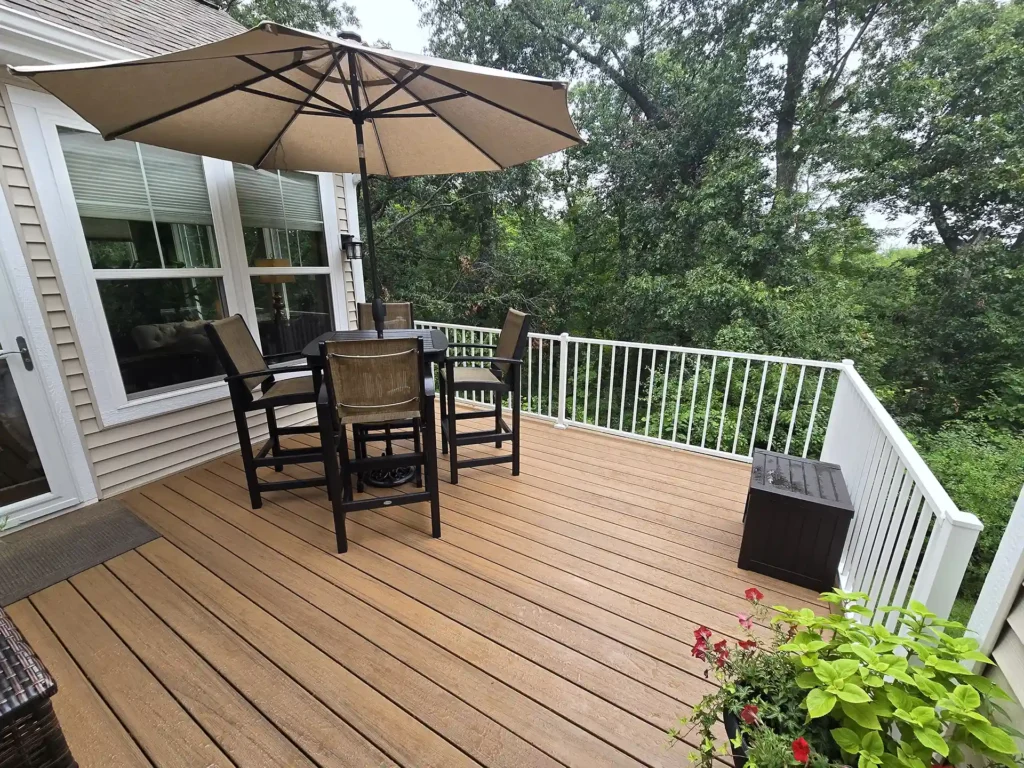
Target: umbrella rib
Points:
(489, 102)
(317, 109)
(362, 82)
(396, 88)
(444, 120)
(293, 84)
(294, 115)
(389, 111)
(205, 99)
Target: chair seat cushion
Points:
(298, 389)
(466, 377)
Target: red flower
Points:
(701, 633)
(749, 714)
(745, 621)
(723, 653)
(801, 750)
(753, 594)
(700, 649)
(748, 645)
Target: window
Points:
(286, 256)
(148, 226)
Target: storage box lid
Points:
(816, 481)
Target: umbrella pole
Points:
(379, 311)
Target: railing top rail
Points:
(925, 479)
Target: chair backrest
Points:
(512, 340)
(398, 316)
(236, 349)
(374, 380)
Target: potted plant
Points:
(834, 690)
(758, 698)
(901, 698)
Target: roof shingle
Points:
(149, 27)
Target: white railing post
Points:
(563, 375)
(832, 447)
(945, 562)
(1002, 583)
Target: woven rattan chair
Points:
(254, 386)
(30, 736)
(368, 383)
(397, 315)
(501, 377)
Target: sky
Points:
(393, 21)
(397, 23)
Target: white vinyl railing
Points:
(907, 540)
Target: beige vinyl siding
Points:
(127, 455)
(1009, 657)
(350, 290)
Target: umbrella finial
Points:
(347, 34)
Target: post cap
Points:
(347, 34)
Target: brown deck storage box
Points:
(797, 516)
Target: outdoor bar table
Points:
(435, 347)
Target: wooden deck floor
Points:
(551, 624)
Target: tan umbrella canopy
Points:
(284, 99)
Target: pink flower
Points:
(748, 645)
(801, 750)
(700, 649)
(745, 621)
(753, 594)
(723, 653)
(749, 714)
(701, 633)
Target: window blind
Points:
(278, 199)
(110, 182)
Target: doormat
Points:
(44, 554)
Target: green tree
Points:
(318, 15)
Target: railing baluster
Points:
(778, 399)
(739, 412)
(551, 371)
(711, 392)
(650, 391)
(597, 389)
(529, 376)
(611, 390)
(814, 411)
(664, 392)
(636, 389)
(625, 379)
(725, 405)
(911, 561)
(679, 395)
(575, 376)
(586, 387)
(757, 409)
(884, 597)
(881, 558)
(796, 406)
(540, 377)
(693, 400)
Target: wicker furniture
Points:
(795, 523)
(30, 736)
(368, 383)
(501, 377)
(247, 369)
(398, 315)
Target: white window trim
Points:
(38, 115)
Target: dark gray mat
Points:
(42, 555)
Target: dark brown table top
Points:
(435, 343)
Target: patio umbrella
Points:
(278, 98)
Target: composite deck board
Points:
(551, 625)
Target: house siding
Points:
(1008, 654)
(126, 455)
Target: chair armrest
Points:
(472, 346)
(283, 355)
(270, 372)
(481, 359)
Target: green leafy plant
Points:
(897, 699)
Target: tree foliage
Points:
(734, 148)
(320, 15)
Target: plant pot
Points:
(732, 727)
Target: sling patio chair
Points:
(501, 376)
(369, 383)
(398, 316)
(248, 369)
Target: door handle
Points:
(26, 356)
